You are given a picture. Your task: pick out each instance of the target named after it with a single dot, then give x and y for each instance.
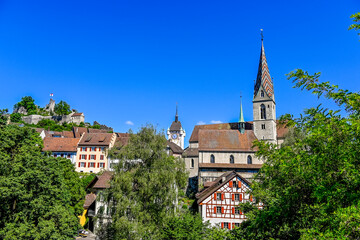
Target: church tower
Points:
(264, 107)
(176, 133)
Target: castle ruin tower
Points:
(264, 107)
(176, 133)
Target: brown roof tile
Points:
(60, 144)
(230, 165)
(96, 139)
(175, 148)
(226, 140)
(103, 181)
(175, 126)
(191, 152)
(89, 199)
(77, 114)
(281, 129)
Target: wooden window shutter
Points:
(240, 212)
(215, 196)
(94, 157)
(222, 209)
(233, 197)
(79, 164)
(240, 197)
(222, 225)
(233, 225)
(85, 157)
(251, 198)
(231, 184)
(222, 196)
(98, 165)
(233, 210)
(81, 149)
(239, 184)
(229, 225)
(214, 209)
(85, 149)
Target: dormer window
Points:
(212, 158)
(262, 93)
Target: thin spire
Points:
(263, 77)
(241, 117)
(176, 115)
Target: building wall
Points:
(68, 155)
(224, 157)
(193, 171)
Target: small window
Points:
(93, 149)
(83, 157)
(62, 155)
(237, 197)
(92, 164)
(55, 155)
(263, 111)
(102, 149)
(226, 225)
(218, 209)
(262, 126)
(91, 171)
(192, 163)
(234, 184)
(92, 157)
(237, 211)
(102, 165)
(82, 164)
(68, 156)
(249, 160)
(212, 158)
(262, 93)
(237, 224)
(218, 196)
(83, 149)
(232, 159)
(101, 157)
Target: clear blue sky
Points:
(120, 61)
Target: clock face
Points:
(174, 136)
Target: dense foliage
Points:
(15, 117)
(28, 103)
(356, 20)
(40, 196)
(145, 186)
(310, 186)
(62, 108)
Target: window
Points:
(101, 157)
(249, 160)
(91, 171)
(55, 155)
(232, 159)
(93, 149)
(83, 149)
(82, 164)
(92, 157)
(102, 165)
(102, 149)
(262, 93)
(262, 126)
(237, 197)
(226, 225)
(218, 209)
(218, 196)
(263, 111)
(62, 155)
(83, 157)
(68, 156)
(212, 158)
(92, 164)
(234, 183)
(192, 163)
(237, 224)
(237, 211)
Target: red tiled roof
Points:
(191, 152)
(175, 148)
(60, 144)
(122, 139)
(103, 181)
(96, 139)
(77, 114)
(89, 199)
(226, 140)
(281, 129)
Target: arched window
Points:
(212, 158)
(262, 93)
(263, 111)
(232, 159)
(192, 163)
(249, 160)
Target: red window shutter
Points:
(231, 184)
(79, 164)
(222, 209)
(233, 197)
(222, 225)
(98, 164)
(215, 196)
(94, 157)
(233, 210)
(229, 226)
(214, 209)
(233, 225)
(81, 149)
(222, 196)
(240, 212)
(79, 156)
(85, 157)
(239, 184)
(251, 198)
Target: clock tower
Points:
(176, 133)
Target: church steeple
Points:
(176, 115)
(263, 82)
(241, 118)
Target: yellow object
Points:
(83, 218)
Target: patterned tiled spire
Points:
(263, 77)
(241, 117)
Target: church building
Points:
(218, 148)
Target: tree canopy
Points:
(145, 187)
(28, 103)
(62, 108)
(40, 195)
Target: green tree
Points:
(145, 186)
(310, 186)
(15, 117)
(356, 20)
(3, 116)
(28, 103)
(62, 108)
(40, 196)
